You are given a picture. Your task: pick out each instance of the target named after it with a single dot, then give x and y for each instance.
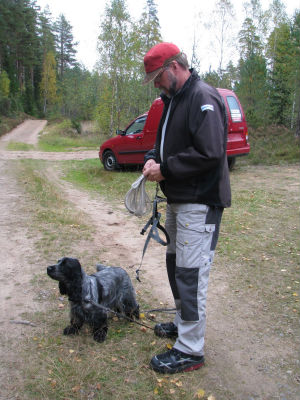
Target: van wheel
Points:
(231, 163)
(109, 161)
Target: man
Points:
(189, 161)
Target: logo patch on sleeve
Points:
(207, 107)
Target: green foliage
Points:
(48, 82)
(4, 84)
(282, 77)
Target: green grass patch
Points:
(18, 146)
(64, 137)
(113, 186)
(53, 217)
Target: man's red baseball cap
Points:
(158, 57)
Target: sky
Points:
(177, 23)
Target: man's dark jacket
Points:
(194, 154)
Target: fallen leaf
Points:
(98, 386)
(155, 391)
(153, 343)
(211, 397)
(295, 294)
(143, 329)
(179, 384)
(76, 388)
(71, 351)
(114, 359)
(200, 394)
(53, 383)
(142, 315)
(61, 305)
(169, 346)
(172, 391)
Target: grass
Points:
(63, 137)
(90, 175)
(53, 217)
(18, 146)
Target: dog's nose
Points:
(50, 268)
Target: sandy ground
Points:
(239, 360)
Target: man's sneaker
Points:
(167, 330)
(175, 361)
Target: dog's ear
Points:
(62, 288)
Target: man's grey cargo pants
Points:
(193, 231)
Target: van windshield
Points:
(235, 111)
(137, 126)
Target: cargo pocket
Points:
(193, 246)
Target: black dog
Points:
(109, 287)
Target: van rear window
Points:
(235, 111)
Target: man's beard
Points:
(173, 84)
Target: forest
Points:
(40, 76)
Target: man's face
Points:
(166, 81)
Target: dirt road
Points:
(238, 360)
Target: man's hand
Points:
(152, 171)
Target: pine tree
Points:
(65, 45)
(252, 88)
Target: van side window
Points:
(137, 126)
(235, 111)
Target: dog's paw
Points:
(70, 330)
(100, 335)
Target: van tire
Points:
(231, 162)
(110, 161)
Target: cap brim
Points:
(152, 75)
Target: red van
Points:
(130, 145)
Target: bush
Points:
(65, 128)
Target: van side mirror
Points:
(120, 132)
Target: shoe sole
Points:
(179, 369)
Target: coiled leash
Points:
(153, 233)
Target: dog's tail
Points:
(100, 267)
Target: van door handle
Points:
(138, 137)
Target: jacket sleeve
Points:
(151, 154)
(208, 140)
